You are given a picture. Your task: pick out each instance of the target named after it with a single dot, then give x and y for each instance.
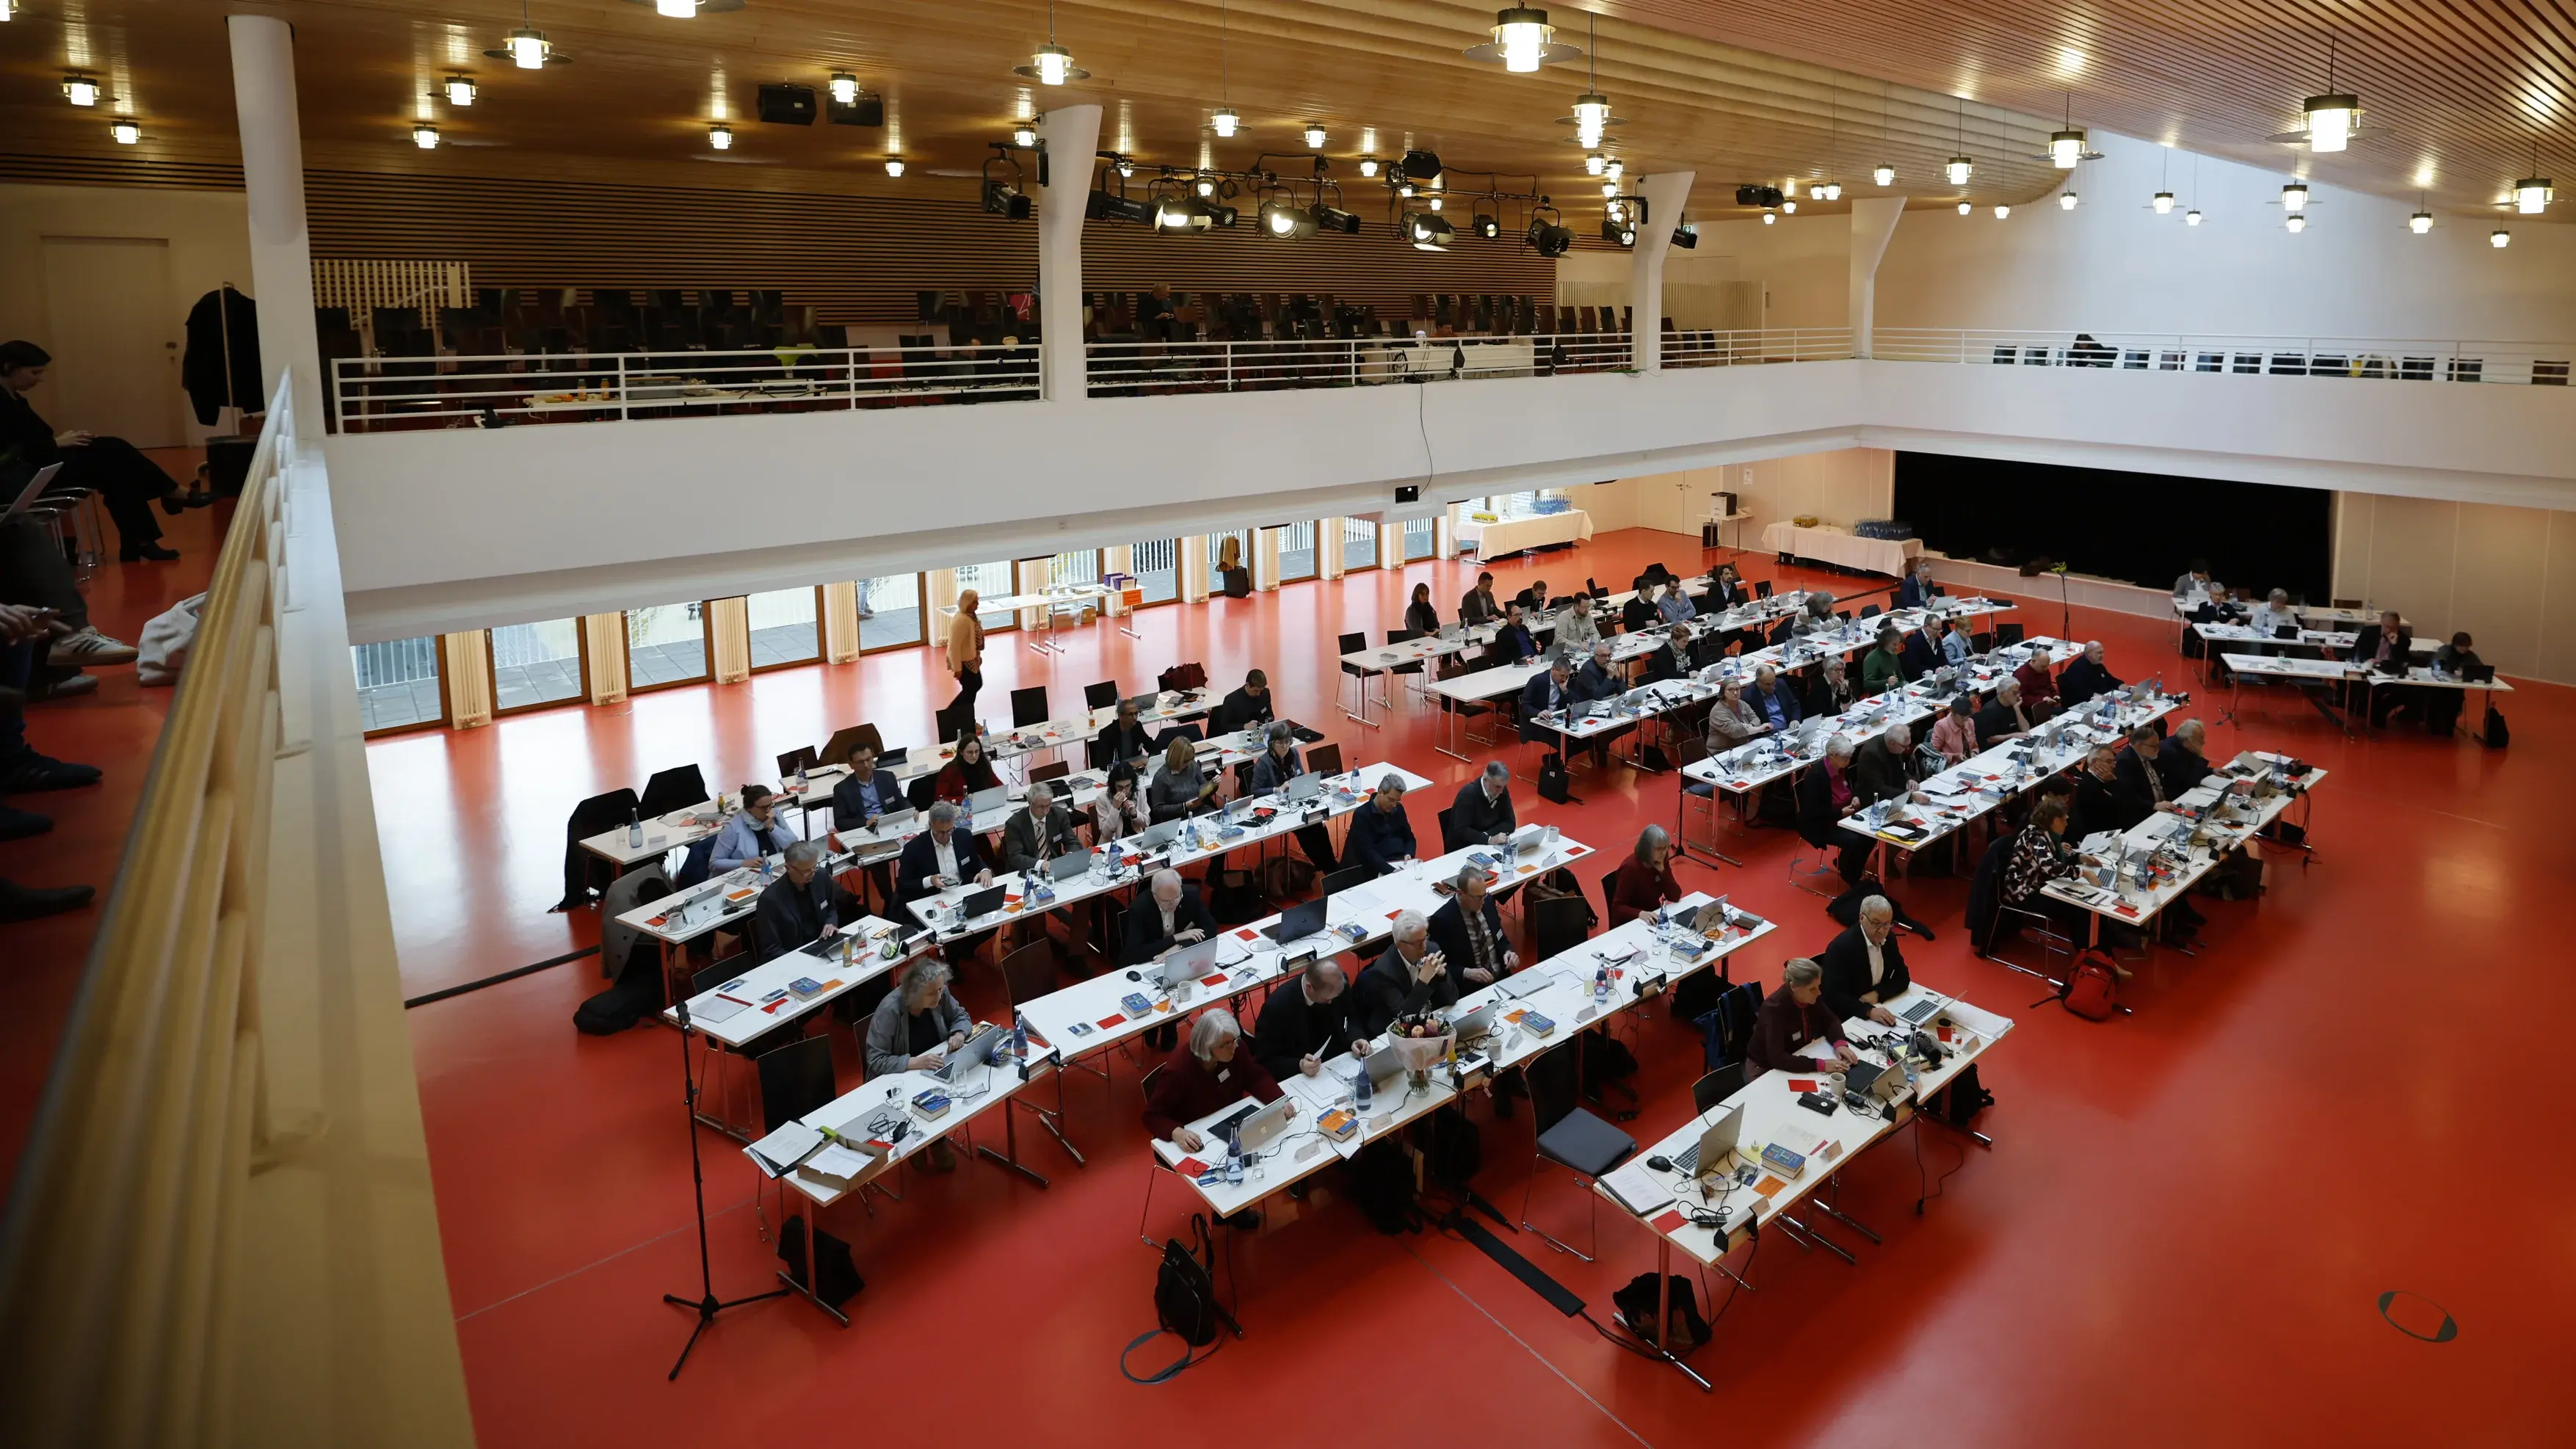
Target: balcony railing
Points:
(2381, 358)
(383, 394)
(1132, 369)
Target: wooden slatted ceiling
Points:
(1739, 90)
(858, 258)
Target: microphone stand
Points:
(706, 1303)
(2065, 614)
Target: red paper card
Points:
(1670, 1223)
(1189, 1167)
(1802, 1084)
(1107, 1022)
(1246, 934)
(1217, 980)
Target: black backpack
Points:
(2495, 736)
(1685, 1329)
(1383, 1186)
(1457, 1149)
(838, 1281)
(1553, 782)
(1184, 1302)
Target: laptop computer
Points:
(34, 490)
(989, 802)
(1475, 1023)
(897, 820)
(1158, 836)
(982, 902)
(2477, 673)
(976, 1052)
(1383, 1065)
(1187, 964)
(1069, 865)
(1303, 787)
(1921, 1011)
(1266, 1124)
(894, 757)
(1715, 1146)
(1298, 921)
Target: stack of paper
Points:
(784, 1149)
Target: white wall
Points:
(208, 233)
(2506, 575)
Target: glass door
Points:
(535, 665)
(398, 684)
(786, 627)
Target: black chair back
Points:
(1448, 830)
(1347, 877)
(918, 793)
(951, 725)
(795, 1079)
(1762, 589)
(1325, 759)
(803, 757)
(1028, 706)
(1558, 924)
(1051, 770)
(1101, 695)
(589, 818)
(1717, 1086)
(1868, 610)
(674, 789)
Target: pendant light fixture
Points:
(1788, 208)
(1960, 168)
(425, 136)
(1770, 217)
(1368, 167)
(1884, 173)
(1025, 134)
(2533, 193)
(527, 48)
(2164, 199)
(2066, 200)
(1964, 207)
(1315, 135)
(82, 90)
(2332, 118)
(2002, 212)
(1224, 121)
(676, 9)
(1614, 168)
(1829, 189)
(1523, 41)
(1052, 65)
(1591, 116)
(845, 88)
(2499, 238)
(126, 130)
(2294, 197)
(720, 136)
(894, 166)
(1594, 163)
(2163, 203)
(1609, 188)
(2066, 144)
(2191, 217)
(2420, 223)
(460, 89)
(2298, 222)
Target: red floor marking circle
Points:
(2417, 1316)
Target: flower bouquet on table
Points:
(1422, 1041)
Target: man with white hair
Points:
(2086, 677)
(1409, 975)
(1599, 678)
(2273, 614)
(1381, 834)
(1164, 917)
(1468, 929)
(1214, 1074)
(1792, 1020)
(1305, 1023)
(1886, 768)
(803, 905)
(1038, 834)
(1864, 966)
(1831, 692)
(913, 1029)
(2184, 760)
(2004, 719)
(1482, 814)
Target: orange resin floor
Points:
(2182, 1234)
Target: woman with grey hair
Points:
(1211, 1075)
(1825, 795)
(1792, 1020)
(1731, 721)
(1280, 762)
(1645, 879)
(914, 1028)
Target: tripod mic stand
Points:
(706, 1303)
(2065, 614)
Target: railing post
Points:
(621, 387)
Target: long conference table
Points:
(2153, 863)
(2323, 672)
(1843, 548)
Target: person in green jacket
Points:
(1883, 663)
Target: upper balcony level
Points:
(633, 478)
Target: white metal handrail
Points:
(380, 394)
(2405, 359)
(1146, 367)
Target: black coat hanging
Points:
(221, 369)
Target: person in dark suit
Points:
(1917, 591)
(1476, 606)
(2139, 774)
(2183, 760)
(1039, 833)
(1247, 706)
(940, 857)
(1547, 692)
(1407, 975)
(1533, 600)
(1599, 678)
(2442, 706)
(1662, 663)
(1381, 834)
(1482, 814)
(1468, 930)
(803, 905)
(1864, 967)
(1886, 767)
(1726, 590)
(1123, 740)
(1512, 643)
(1830, 692)
(2382, 648)
(1773, 701)
(1165, 916)
(1921, 655)
(2101, 801)
(127, 483)
(2086, 678)
(1278, 763)
(865, 794)
(1639, 611)
(1421, 616)
(1306, 1024)
(1825, 796)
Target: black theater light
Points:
(1549, 239)
(1485, 225)
(1428, 231)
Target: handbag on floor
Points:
(1684, 1328)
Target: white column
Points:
(1873, 221)
(281, 252)
(1665, 195)
(1071, 134)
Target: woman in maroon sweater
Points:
(1210, 1075)
(1645, 881)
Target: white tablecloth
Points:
(1511, 535)
(1887, 556)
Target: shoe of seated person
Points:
(17, 824)
(29, 773)
(65, 686)
(146, 552)
(26, 903)
(88, 646)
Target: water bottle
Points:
(800, 779)
(1363, 1091)
(1601, 984)
(634, 831)
(1019, 1036)
(1234, 1155)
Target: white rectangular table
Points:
(1518, 535)
(1050, 601)
(2218, 817)
(1842, 548)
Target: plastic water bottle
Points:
(1019, 1036)
(634, 831)
(1601, 983)
(1234, 1155)
(1363, 1091)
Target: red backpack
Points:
(2093, 992)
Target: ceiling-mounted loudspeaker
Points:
(867, 110)
(787, 105)
(1420, 165)
(1758, 196)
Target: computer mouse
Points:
(1660, 1163)
(1133, 976)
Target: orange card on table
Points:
(1767, 1186)
(1670, 1223)
(741, 895)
